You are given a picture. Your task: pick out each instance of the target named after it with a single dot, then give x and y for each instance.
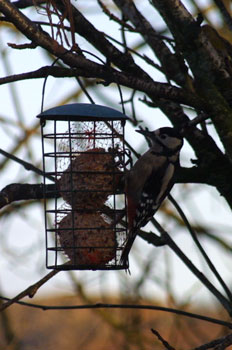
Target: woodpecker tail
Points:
(127, 248)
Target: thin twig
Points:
(143, 57)
(22, 46)
(163, 341)
(83, 88)
(122, 306)
(30, 291)
(115, 18)
(198, 119)
(226, 15)
(201, 249)
(218, 295)
(26, 165)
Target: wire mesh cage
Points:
(84, 160)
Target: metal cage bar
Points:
(84, 156)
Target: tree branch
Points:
(26, 165)
(15, 192)
(207, 62)
(162, 340)
(58, 72)
(226, 15)
(27, 3)
(207, 152)
(125, 306)
(217, 344)
(18, 192)
(104, 72)
(30, 291)
(86, 29)
(169, 61)
(199, 275)
(194, 236)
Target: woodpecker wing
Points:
(159, 183)
(154, 192)
(150, 180)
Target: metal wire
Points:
(86, 232)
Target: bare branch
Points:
(200, 276)
(30, 291)
(115, 18)
(163, 341)
(226, 15)
(26, 165)
(217, 344)
(85, 28)
(124, 306)
(22, 46)
(27, 3)
(18, 192)
(168, 60)
(96, 70)
(212, 72)
(58, 72)
(160, 90)
(200, 247)
(198, 119)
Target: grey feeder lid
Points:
(82, 112)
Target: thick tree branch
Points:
(57, 72)
(207, 152)
(96, 70)
(21, 4)
(208, 64)
(208, 91)
(85, 28)
(173, 68)
(155, 88)
(217, 344)
(18, 192)
(216, 173)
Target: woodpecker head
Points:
(169, 139)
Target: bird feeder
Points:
(84, 162)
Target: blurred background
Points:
(156, 274)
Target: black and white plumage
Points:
(150, 180)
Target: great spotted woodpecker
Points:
(150, 180)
